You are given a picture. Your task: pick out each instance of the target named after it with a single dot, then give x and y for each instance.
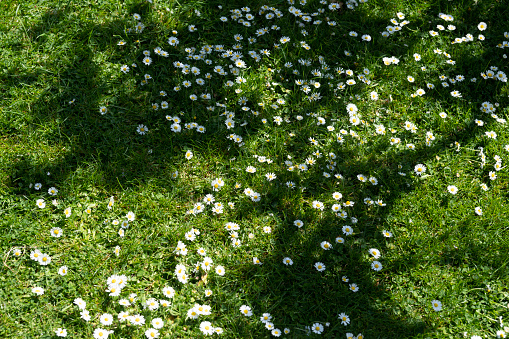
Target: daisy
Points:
(276, 332)
(220, 270)
(374, 252)
(320, 266)
(298, 223)
(420, 169)
(348, 203)
(368, 201)
(452, 189)
(80, 303)
(342, 214)
(317, 328)
(284, 40)
(206, 264)
(169, 292)
(270, 176)
(61, 332)
(376, 265)
(62, 270)
(478, 210)
(142, 129)
(137, 320)
(193, 313)
(250, 169)
(246, 310)
(287, 261)
(387, 234)
(106, 319)
(347, 230)
(265, 318)
(152, 304)
(206, 328)
(147, 60)
(326, 245)
(437, 305)
(100, 333)
(337, 195)
(318, 205)
(44, 259)
(124, 302)
(56, 232)
(38, 290)
(492, 175)
(85, 315)
(345, 320)
(17, 252)
(40, 203)
(354, 287)
(491, 134)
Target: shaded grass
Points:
(440, 250)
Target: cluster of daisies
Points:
(216, 207)
(266, 320)
(201, 75)
(314, 78)
(115, 285)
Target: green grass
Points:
(60, 63)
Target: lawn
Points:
(254, 169)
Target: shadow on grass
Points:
(106, 151)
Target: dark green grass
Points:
(54, 52)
